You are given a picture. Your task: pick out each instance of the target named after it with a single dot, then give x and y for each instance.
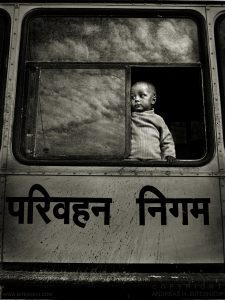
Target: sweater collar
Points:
(143, 113)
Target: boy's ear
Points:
(154, 99)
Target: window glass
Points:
(78, 112)
(101, 39)
(75, 79)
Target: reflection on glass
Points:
(98, 39)
(79, 112)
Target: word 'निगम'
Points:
(174, 210)
(81, 209)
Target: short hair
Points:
(149, 84)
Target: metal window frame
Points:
(110, 12)
(221, 71)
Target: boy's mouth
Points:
(138, 106)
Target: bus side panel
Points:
(2, 193)
(54, 232)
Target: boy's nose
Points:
(137, 99)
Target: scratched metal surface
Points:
(124, 240)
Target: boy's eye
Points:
(133, 97)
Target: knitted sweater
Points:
(151, 138)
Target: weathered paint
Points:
(124, 240)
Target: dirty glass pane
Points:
(102, 39)
(76, 112)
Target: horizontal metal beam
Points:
(61, 284)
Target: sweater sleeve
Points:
(166, 142)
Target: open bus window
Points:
(4, 44)
(180, 102)
(75, 84)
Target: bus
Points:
(78, 215)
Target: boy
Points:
(151, 138)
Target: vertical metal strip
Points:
(222, 200)
(128, 112)
(8, 113)
(10, 88)
(37, 104)
(210, 18)
(211, 15)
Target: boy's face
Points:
(143, 97)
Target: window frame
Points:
(112, 12)
(221, 72)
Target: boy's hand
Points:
(170, 159)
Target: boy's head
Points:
(143, 96)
